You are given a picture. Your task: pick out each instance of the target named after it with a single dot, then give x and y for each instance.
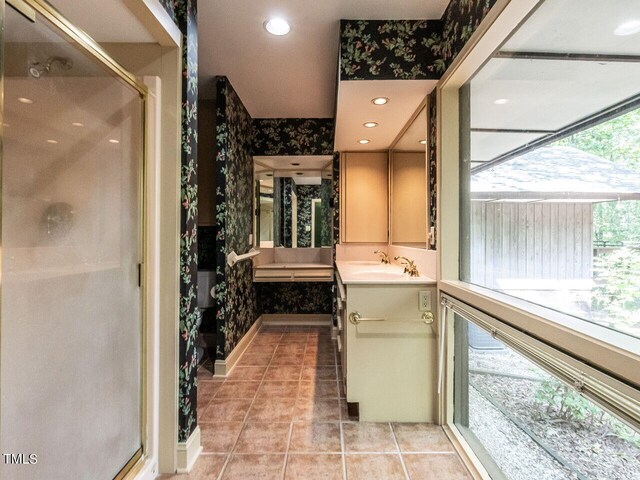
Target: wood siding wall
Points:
(530, 241)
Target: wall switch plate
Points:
(425, 301)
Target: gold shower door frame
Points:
(29, 9)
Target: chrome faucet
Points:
(384, 258)
(409, 266)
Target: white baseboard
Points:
(320, 320)
(188, 452)
(221, 368)
(149, 471)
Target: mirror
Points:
(408, 179)
(293, 202)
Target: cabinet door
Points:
(365, 197)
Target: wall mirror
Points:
(293, 200)
(408, 184)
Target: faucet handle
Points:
(409, 266)
(384, 258)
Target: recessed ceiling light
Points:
(299, 173)
(269, 174)
(364, 141)
(277, 26)
(295, 164)
(77, 124)
(370, 124)
(501, 101)
(423, 142)
(627, 28)
(54, 142)
(113, 140)
(28, 101)
(380, 101)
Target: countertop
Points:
(293, 265)
(377, 273)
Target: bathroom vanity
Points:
(387, 342)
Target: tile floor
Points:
(281, 414)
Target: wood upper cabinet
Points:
(364, 197)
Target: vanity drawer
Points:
(293, 274)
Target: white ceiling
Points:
(105, 21)
(355, 108)
(578, 26)
(292, 76)
(552, 94)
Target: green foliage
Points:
(618, 141)
(556, 402)
(616, 296)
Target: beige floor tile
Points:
(278, 389)
(375, 467)
(421, 437)
(314, 467)
(315, 437)
(255, 360)
(267, 348)
(207, 467)
(326, 359)
(318, 373)
(287, 359)
(368, 437)
(219, 437)
(283, 372)
(247, 374)
(263, 438)
(254, 467)
(272, 410)
(312, 409)
(319, 389)
(290, 349)
(226, 410)
(435, 467)
(235, 389)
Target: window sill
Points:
(613, 352)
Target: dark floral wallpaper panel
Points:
(184, 13)
(390, 49)
(235, 295)
(293, 136)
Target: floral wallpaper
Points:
(460, 20)
(326, 195)
(184, 13)
(235, 294)
(295, 298)
(293, 136)
(390, 49)
(305, 194)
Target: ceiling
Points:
(106, 21)
(538, 96)
(355, 108)
(292, 76)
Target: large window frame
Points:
(607, 353)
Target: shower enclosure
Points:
(71, 319)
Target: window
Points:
(550, 164)
(523, 422)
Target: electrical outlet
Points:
(425, 301)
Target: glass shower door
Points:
(71, 315)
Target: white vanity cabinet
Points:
(389, 357)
